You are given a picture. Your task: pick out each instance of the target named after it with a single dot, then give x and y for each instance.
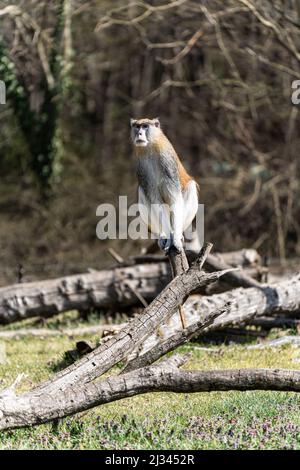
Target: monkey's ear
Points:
(132, 122)
(157, 122)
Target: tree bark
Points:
(113, 288)
(175, 340)
(74, 388)
(107, 288)
(240, 306)
(137, 330)
(242, 258)
(234, 278)
(245, 258)
(35, 408)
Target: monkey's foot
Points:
(164, 243)
(177, 242)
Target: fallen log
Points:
(237, 278)
(33, 407)
(137, 330)
(247, 277)
(244, 306)
(74, 388)
(144, 358)
(114, 288)
(240, 258)
(157, 321)
(99, 289)
(266, 323)
(240, 306)
(245, 258)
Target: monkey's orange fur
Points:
(158, 146)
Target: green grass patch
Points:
(215, 420)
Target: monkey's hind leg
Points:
(190, 203)
(160, 221)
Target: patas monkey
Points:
(168, 196)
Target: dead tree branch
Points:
(174, 341)
(136, 331)
(35, 408)
(241, 307)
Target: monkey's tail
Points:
(182, 317)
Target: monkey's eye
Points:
(145, 126)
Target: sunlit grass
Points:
(215, 420)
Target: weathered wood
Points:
(106, 288)
(113, 288)
(244, 306)
(179, 264)
(178, 261)
(177, 339)
(136, 331)
(234, 278)
(35, 408)
(246, 257)
(137, 337)
(238, 307)
(242, 258)
(74, 389)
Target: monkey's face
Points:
(143, 131)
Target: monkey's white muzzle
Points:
(140, 142)
(141, 138)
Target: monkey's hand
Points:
(164, 243)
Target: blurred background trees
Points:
(217, 73)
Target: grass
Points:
(215, 420)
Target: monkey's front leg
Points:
(176, 219)
(156, 216)
(164, 239)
